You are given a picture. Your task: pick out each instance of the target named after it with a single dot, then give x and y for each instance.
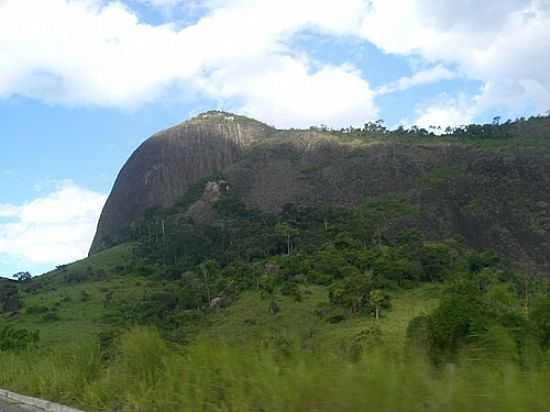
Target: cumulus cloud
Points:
(429, 76)
(57, 227)
(452, 113)
(503, 43)
(100, 53)
(288, 94)
(162, 3)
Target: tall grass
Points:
(148, 375)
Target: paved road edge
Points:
(33, 404)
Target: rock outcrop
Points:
(165, 166)
(496, 199)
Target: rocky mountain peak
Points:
(167, 164)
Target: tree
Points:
(209, 270)
(377, 298)
(378, 214)
(284, 229)
(22, 276)
(436, 261)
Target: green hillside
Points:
(393, 301)
(72, 305)
(121, 331)
(244, 357)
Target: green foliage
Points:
(375, 215)
(283, 301)
(533, 130)
(10, 299)
(287, 232)
(12, 339)
(50, 317)
(481, 312)
(480, 260)
(36, 309)
(22, 276)
(84, 296)
(439, 177)
(540, 320)
(193, 194)
(277, 374)
(436, 261)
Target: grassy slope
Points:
(78, 320)
(250, 318)
(247, 319)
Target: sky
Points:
(84, 82)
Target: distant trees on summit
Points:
(520, 127)
(22, 276)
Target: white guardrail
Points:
(23, 403)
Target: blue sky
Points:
(84, 82)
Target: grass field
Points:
(150, 375)
(250, 319)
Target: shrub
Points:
(84, 296)
(50, 317)
(540, 321)
(12, 339)
(37, 309)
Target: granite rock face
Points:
(492, 200)
(165, 166)
(497, 199)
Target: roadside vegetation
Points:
(145, 373)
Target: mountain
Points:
(490, 191)
(165, 166)
(290, 245)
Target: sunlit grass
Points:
(149, 375)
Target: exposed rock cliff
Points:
(164, 167)
(492, 198)
(497, 200)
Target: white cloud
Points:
(503, 43)
(99, 53)
(55, 228)
(187, 4)
(289, 94)
(429, 76)
(162, 3)
(8, 210)
(450, 114)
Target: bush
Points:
(37, 309)
(10, 300)
(12, 339)
(50, 317)
(84, 296)
(418, 333)
(291, 289)
(540, 321)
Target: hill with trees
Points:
(302, 270)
